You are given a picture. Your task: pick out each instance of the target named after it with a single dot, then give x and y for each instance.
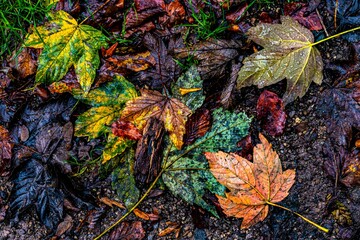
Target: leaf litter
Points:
(151, 129)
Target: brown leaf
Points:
(175, 13)
(148, 154)
(141, 214)
(300, 12)
(128, 231)
(227, 93)
(197, 125)
(145, 10)
(235, 16)
(6, 146)
(172, 228)
(171, 111)
(212, 55)
(64, 226)
(110, 202)
(24, 63)
(253, 185)
(271, 113)
(125, 129)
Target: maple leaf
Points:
(288, 53)
(67, 43)
(253, 185)
(171, 111)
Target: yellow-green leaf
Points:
(288, 53)
(115, 146)
(66, 43)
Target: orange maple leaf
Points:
(171, 111)
(253, 185)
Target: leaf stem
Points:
(93, 13)
(299, 215)
(336, 35)
(135, 206)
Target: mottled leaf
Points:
(271, 113)
(115, 146)
(123, 181)
(170, 111)
(288, 53)
(189, 177)
(107, 101)
(252, 185)
(66, 43)
(188, 89)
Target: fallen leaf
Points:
(144, 10)
(111, 202)
(125, 129)
(300, 12)
(197, 125)
(271, 113)
(253, 185)
(64, 226)
(175, 14)
(188, 89)
(123, 181)
(189, 176)
(141, 214)
(227, 93)
(339, 211)
(172, 228)
(6, 146)
(212, 55)
(170, 111)
(288, 53)
(128, 231)
(24, 63)
(149, 152)
(66, 43)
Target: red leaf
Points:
(270, 112)
(299, 12)
(127, 231)
(197, 125)
(125, 129)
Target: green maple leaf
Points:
(66, 43)
(107, 103)
(288, 53)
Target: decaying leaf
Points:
(197, 125)
(300, 12)
(128, 231)
(288, 53)
(188, 89)
(170, 111)
(189, 177)
(125, 129)
(213, 56)
(271, 113)
(66, 43)
(5, 148)
(24, 63)
(148, 153)
(123, 181)
(252, 185)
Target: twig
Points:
(321, 22)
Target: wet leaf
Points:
(66, 43)
(111, 202)
(141, 214)
(24, 63)
(34, 186)
(347, 11)
(192, 82)
(123, 181)
(339, 212)
(64, 226)
(170, 111)
(226, 95)
(107, 102)
(128, 231)
(197, 125)
(300, 12)
(339, 107)
(271, 113)
(125, 129)
(252, 185)
(115, 146)
(166, 70)
(6, 146)
(189, 177)
(212, 55)
(288, 53)
(149, 152)
(144, 10)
